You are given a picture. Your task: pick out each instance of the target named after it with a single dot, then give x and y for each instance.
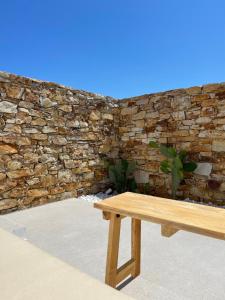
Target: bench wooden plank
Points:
(196, 218)
(125, 270)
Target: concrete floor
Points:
(185, 266)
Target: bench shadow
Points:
(124, 283)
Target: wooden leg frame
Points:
(115, 275)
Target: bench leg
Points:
(115, 275)
(113, 250)
(136, 246)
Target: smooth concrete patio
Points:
(185, 266)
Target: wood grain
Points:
(196, 218)
(167, 230)
(113, 250)
(136, 246)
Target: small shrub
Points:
(121, 173)
(144, 188)
(175, 164)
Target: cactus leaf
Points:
(190, 166)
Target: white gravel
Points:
(95, 198)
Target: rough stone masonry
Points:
(53, 140)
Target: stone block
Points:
(107, 117)
(141, 176)
(129, 110)
(13, 165)
(203, 120)
(19, 173)
(7, 149)
(95, 116)
(218, 145)
(59, 140)
(36, 193)
(8, 107)
(139, 116)
(39, 136)
(46, 102)
(38, 122)
(203, 169)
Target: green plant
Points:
(121, 173)
(144, 188)
(175, 164)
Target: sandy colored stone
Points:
(95, 116)
(7, 149)
(59, 140)
(2, 176)
(23, 141)
(26, 104)
(178, 115)
(14, 92)
(40, 170)
(65, 175)
(8, 204)
(56, 190)
(8, 107)
(38, 122)
(13, 165)
(36, 193)
(73, 123)
(203, 120)
(104, 148)
(13, 128)
(70, 164)
(19, 173)
(39, 136)
(66, 108)
(211, 88)
(30, 130)
(17, 192)
(31, 157)
(33, 181)
(46, 102)
(129, 110)
(218, 146)
(48, 129)
(194, 90)
(107, 117)
(139, 116)
(49, 180)
(140, 124)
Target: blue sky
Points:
(119, 48)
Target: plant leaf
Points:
(165, 167)
(169, 152)
(178, 163)
(124, 164)
(190, 166)
(132, 185)
(153, 144)
(182, 154)
(131, 167)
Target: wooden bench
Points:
(171, 214)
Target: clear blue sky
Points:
(119, 48)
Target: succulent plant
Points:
(121, 173)
(174, 164)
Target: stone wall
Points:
(52, 141)
(191, 119)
